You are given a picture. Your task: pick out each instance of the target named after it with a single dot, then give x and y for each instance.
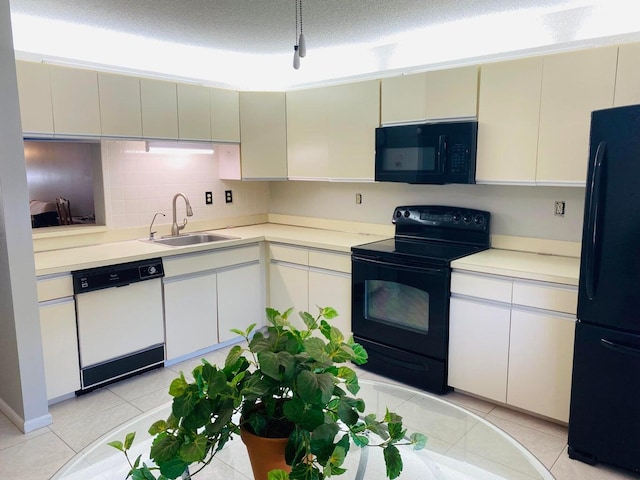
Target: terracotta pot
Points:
(265, 454)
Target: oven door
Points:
(405, 306)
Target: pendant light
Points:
(300, 48)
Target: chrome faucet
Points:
(175, 228)
(152, 233)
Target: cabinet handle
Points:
(618, 347)
(443, 153)
(593, 213)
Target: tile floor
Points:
(79, 421)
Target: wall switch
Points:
(358, 198)
(228, 196)
(208, 198)
(559, 208)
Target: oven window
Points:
(397, 304)
(409, 159)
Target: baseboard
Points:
(25, 426)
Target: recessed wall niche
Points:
(67, 169)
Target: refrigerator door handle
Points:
(593, 203)
(618, 347)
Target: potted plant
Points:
(289, 383)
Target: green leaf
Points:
(164, 448)
(308, 320)
(360, 440)
(157, 427)
(314, 387)
(184, 404)
(346, 412)
(393, 461)
(392, 417)
(322, 441)
(128, 441)
(233, 356)
(277, 475)
(269, 364)
(117, 444)
(360, 354)
(178, 386)
(307, 417)
(418, 440)
(375, 426)
(329, 313)
(194, 451)
(337, 457)
(217, 383)
(173, 468)
(316, 349)
(272, 314)
(350, 379)
(396, 432)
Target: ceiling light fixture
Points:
(178, 147)
(300, 48)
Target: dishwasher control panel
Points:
(119, 275)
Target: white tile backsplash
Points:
(139, 184)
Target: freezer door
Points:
(604, 420)
(610, 263)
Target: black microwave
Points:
(434, 153)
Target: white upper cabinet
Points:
(331, 132)
(120, 113)
(34, 91)
(159, 109)
(263, 135)
(508, 118)
(308, 134)
(75, 100)
(225, 115)
(354, 114)
(628, 75)
(194, 113)
(451, 93)
(573, 85)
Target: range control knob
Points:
(407, 214)
(398, 213)
(457, 217)
(478, 219)
(466, 218)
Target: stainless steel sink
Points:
(191, 239)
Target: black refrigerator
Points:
(604, 420)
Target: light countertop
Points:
(532, 266)
(66, 260)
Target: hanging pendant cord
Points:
(296, 5)
(300, 15)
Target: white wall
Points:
(23, 395)
(515, 210)
(138, 184)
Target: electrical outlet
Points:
(208, 198)
(358, 198)
(228, 196)
(559, 208)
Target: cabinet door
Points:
(308, 134)
(240, 300)
(573, 85)
(60, 347)
(289, 287)
(34, 91)
(225, 115)
(194, 114)
(120, 113)
(263, 135)
(508, 118)
(331, 289)
(452, 93)
(75, 100)
(353, 115)
(540, 362)
(479, 348)
(404, 98)
(190, 314)
(159, 109)
(628, 75)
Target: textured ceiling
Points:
(267, 27)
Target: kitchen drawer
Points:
(338, 262)
(548, 297)
(211, 260)
(488, 288)
(50, 288)
(283, 253)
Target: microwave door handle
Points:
(443, 154)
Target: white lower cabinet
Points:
(190, 312)
(307, 278)
(511, 341)
(239, 300)
(540, 362)
(479, 348)
(60, 347)
(207, 294)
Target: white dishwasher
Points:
(119, 315)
